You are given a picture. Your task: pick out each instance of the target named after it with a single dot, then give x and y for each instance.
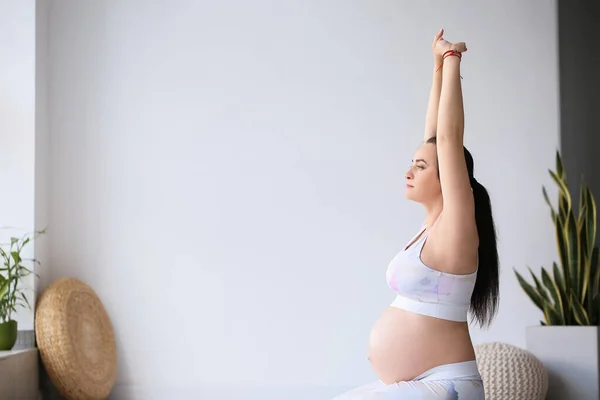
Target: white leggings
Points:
(446, 382)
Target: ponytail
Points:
(484, 300)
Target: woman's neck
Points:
(433, 212)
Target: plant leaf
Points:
(560, 168)
(560, 177)
(551, 315)
(588, 289)
(587, 236)
(579, 312)
(563, 250)
(540, 289)
(4, 287)
(555, 293)
(564, 196)
(591, 218)
(560, 283)
(530, 291)
(5, 257)
(559, 279)
(545, 193)
(16, 257)
(572, 240)
(25, 299)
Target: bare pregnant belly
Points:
(402, 345)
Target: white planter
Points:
(570, 356)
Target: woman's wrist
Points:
(438, 63)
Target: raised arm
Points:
(431, 117)
(458, 213)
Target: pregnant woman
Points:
(420, 348)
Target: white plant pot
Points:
(570, 356)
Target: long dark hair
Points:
(484, 300)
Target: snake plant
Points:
(568, 294)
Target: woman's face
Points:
(422, 178)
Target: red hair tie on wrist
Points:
(450, 53)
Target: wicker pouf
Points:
(76, 340)
(510, 372)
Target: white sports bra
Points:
(423, 290)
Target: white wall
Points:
(17, 131)
(228, 176)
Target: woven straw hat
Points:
(76, 341)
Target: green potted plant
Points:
(568, 295)
(12, 295)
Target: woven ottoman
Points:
(510, 372)
(76, 341)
